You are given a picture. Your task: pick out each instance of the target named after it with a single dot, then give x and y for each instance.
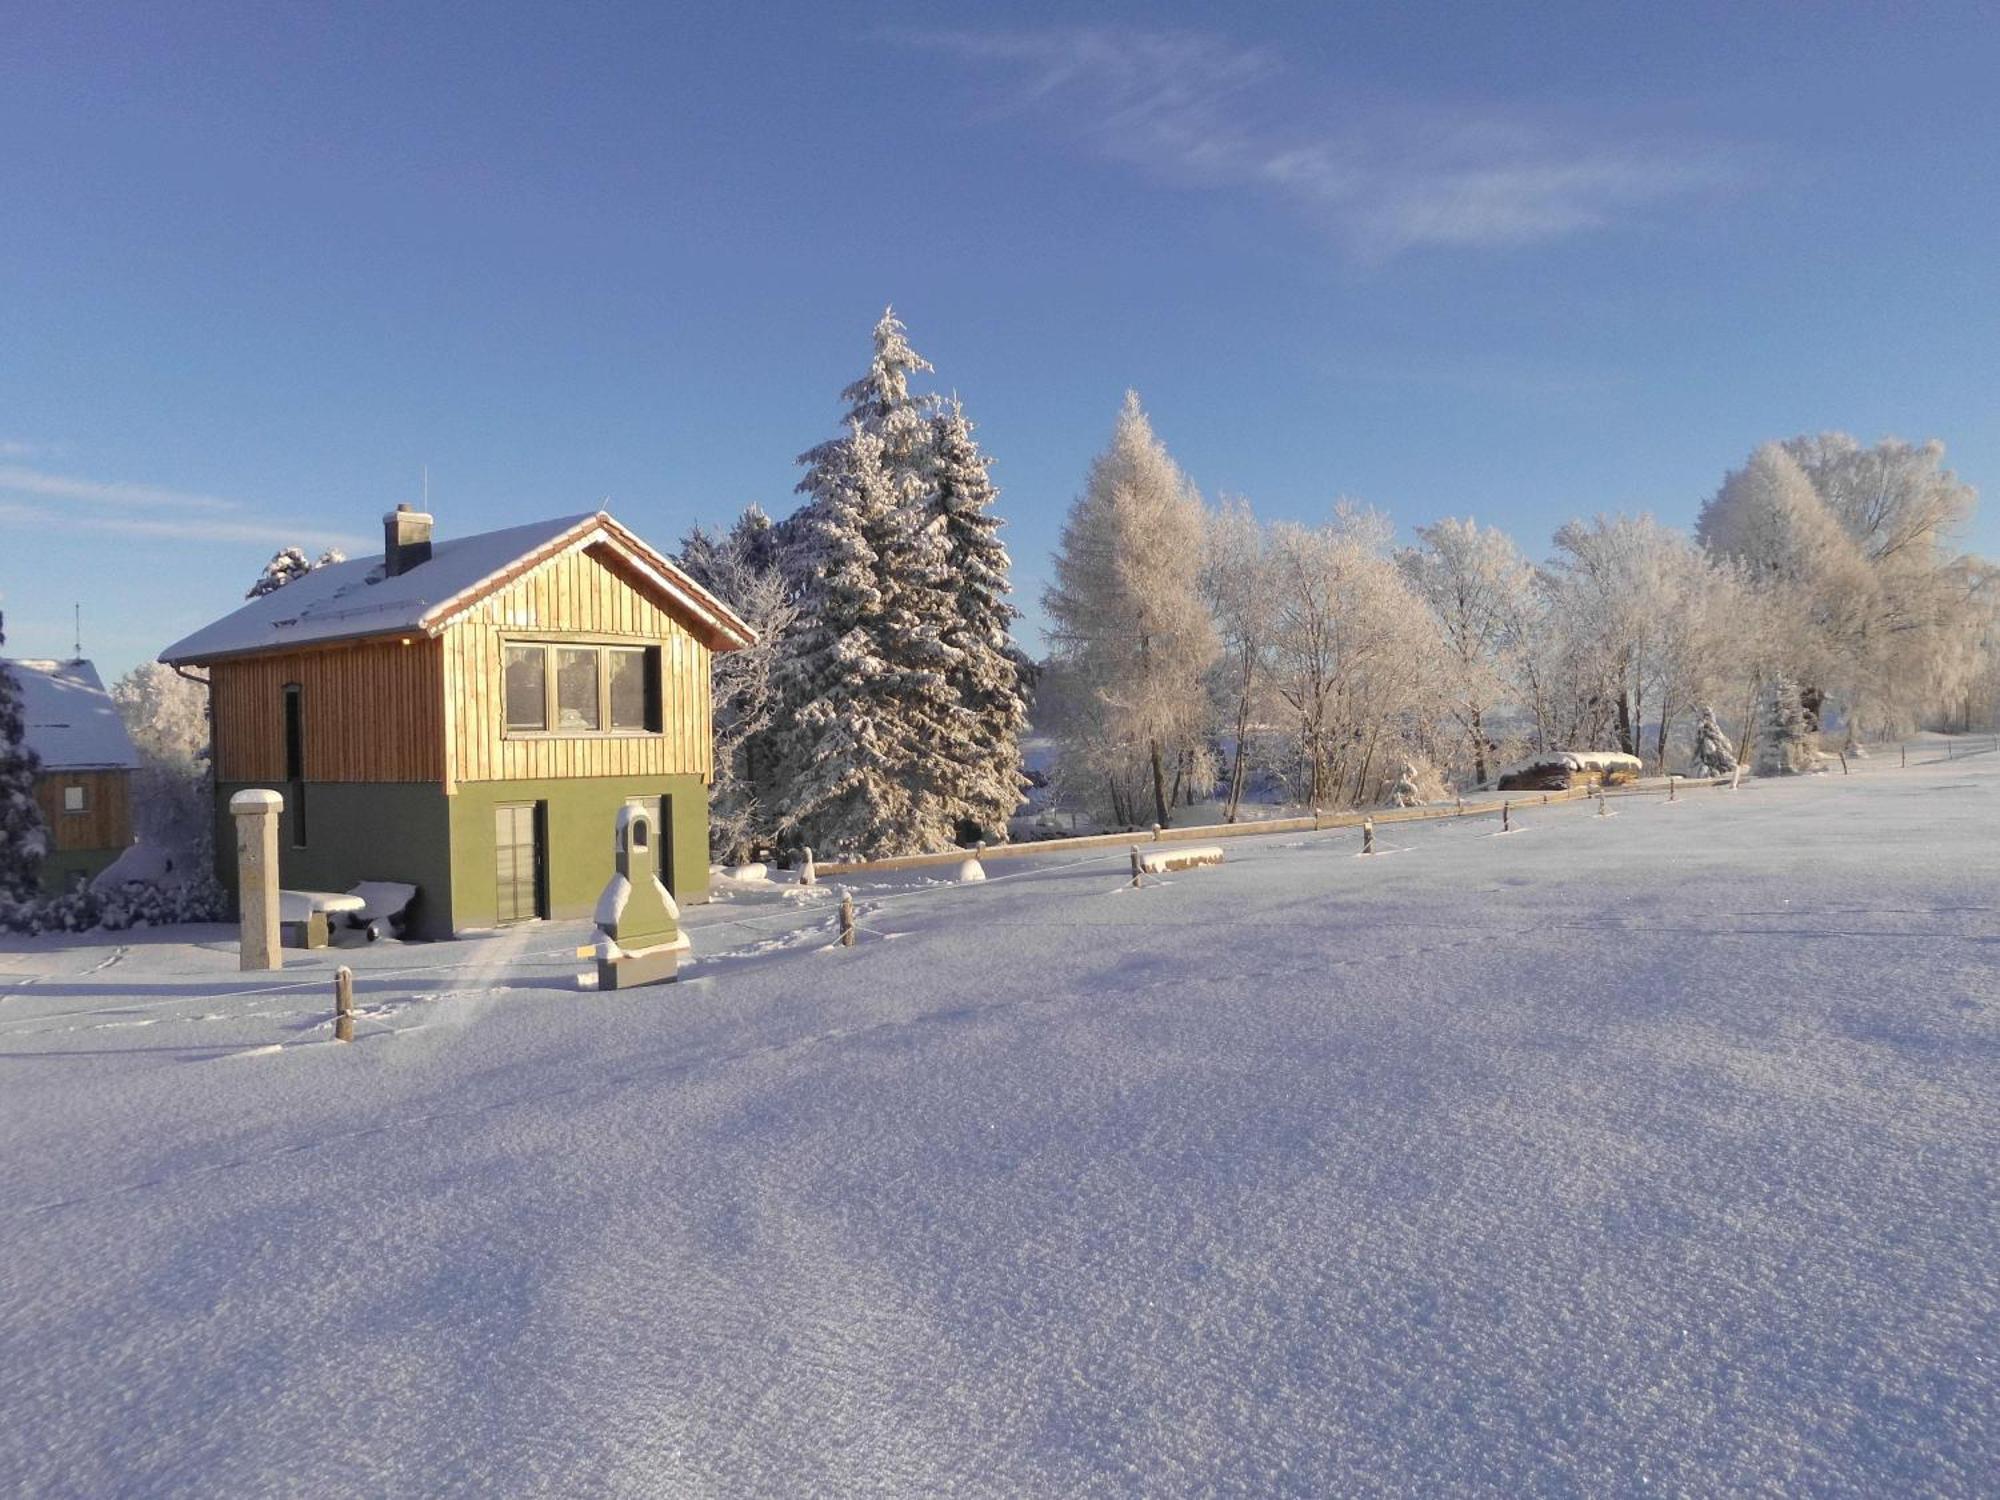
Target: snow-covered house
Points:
(468, 715)
(84, 788)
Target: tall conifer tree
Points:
(24, 839)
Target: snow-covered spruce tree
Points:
(288, 565)
(862, 680)
(1713, 754)
(741, 568)
(1130, 630)
(981, 774)
(1784, 746)
(24, 839)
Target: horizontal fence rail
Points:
(1209, 832)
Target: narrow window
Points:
(635, 693)
(75, 799)
(295, 735)
(527, 687)
(295, 761)
(576, 689)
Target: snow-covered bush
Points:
(1419, 784)
(1784, 746)
(197, 897)
(1713, 754)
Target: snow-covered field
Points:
(1643, 1154)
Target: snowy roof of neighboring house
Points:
(349, 600)
(72, 724)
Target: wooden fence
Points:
(1209, 833)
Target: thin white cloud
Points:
(15, 448)
(207, 526)
(1197, 111)
(16, 480)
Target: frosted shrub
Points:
(1785, 746)
(1713, 754)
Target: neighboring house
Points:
(469, 715)
(84, 788)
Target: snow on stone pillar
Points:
(256, 813)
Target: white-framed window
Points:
(579, 688)
(76, 799)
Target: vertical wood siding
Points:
(105, 822)
(577, 594)
(373, 711)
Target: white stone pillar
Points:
(256, 813)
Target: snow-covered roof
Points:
(72, 724)
(349, 600)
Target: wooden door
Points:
(518, 855)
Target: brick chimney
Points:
(406, 540)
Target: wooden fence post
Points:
(1673, 785)
(1461, 807)
(1736, 777)
(1138, 872)
(1843, 762)
(1367, 835)
(1906, 756)
(847, 919)
(1601, 811)
(343, 1004)
(1506, 816)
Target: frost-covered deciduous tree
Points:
(1131, 634)
(1237, 584)
(741, 567)
(166, 716)
(1479, 590)
(24, 840)
(1354, 658)
(1795, 553)
(982, 772)
(287, 565)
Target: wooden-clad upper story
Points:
(623, 685)
(568, 650)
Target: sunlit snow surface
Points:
(1642, 1154)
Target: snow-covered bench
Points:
(305, 918)
(302, 915)
(1160, 861)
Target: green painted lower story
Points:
(447, 846)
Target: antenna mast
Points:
(78, 609)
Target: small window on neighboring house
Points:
(527, 687)
(75, 799)
(635, 688)
(576, 689)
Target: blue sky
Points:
(262, 265)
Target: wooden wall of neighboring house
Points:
(106, 820)
(371, 711)
(586, 594)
